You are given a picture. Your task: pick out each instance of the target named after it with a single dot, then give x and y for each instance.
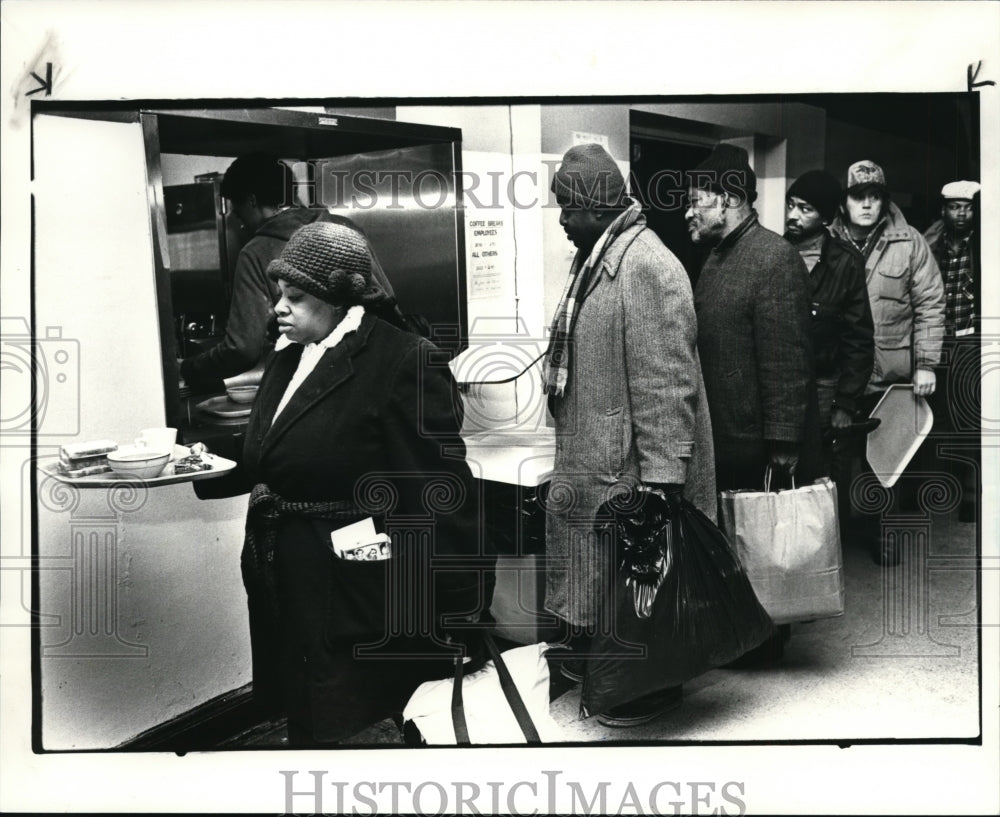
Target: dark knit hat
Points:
(330, 261)
(589, 174)
(821, 190)
(726, 170)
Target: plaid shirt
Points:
(866, 244)
(959, 286)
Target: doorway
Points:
(658, 182)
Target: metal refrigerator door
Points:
(404, 200)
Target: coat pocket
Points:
(893, 314)
(893, 361)
(890, 270)
(614, 441)
(891, 301)
(359, 602)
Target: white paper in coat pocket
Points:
(360, 542)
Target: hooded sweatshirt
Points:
(254, 295)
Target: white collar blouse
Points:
(312, 352)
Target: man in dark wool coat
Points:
(752, 305)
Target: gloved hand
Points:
(840, 418)
(672, 491)
(783, 456)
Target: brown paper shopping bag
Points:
(789, 544)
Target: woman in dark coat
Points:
(354, 419)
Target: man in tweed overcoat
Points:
(624, 382)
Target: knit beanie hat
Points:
(726, 170)
(589, 174)
(821, 190)
(330, 261)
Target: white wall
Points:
(141, 598)
(504, 180)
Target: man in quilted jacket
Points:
(906, 296)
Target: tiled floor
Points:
(901, 663)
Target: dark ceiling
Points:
(929, 118)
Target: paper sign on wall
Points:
(484, 240)
(489, 225)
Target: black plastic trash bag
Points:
(681, 603)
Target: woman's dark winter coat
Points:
(376, 423)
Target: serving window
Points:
(395, 180)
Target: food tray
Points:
(220, 465)
(906, 421)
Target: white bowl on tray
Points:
(138, 462)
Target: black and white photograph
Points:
(530, 407)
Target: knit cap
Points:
(589, 174)
(327, 260)
(726, 170)
(821, 190)
(864, 174)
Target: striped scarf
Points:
(557, 362)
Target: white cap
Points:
(960, 190)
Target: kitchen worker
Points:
(625, 390)
(257, 190)
(907, 301)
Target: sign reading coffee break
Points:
(484, 242)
